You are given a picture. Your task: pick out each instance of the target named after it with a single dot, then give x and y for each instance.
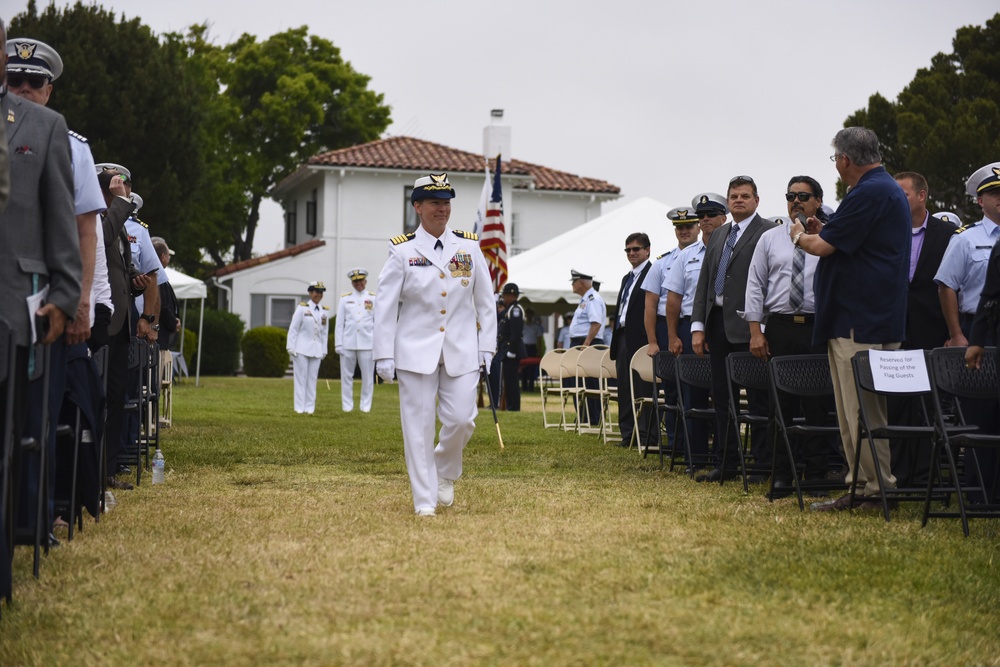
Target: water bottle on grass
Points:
(158, 467)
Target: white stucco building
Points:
(342, 207)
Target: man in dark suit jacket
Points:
(716, 326)
(628, 335)
(926, 327)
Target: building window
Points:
(258, 310)
(410, 219)
(282, 309)
(290, 219)
(311, 215)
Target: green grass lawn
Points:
(282, 539)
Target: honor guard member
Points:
(587, 328)
(353, 336)
(435, 327)
(710, 211)
(962, 273)
(307, 345)
(510, 345)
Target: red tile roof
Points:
(264, 259)
(419, 155)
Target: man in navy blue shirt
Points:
(861, 291)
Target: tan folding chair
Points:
(572, 389)
(549, 371)
(166, 388)
(641, 365)
(589, 365)
(609, 371)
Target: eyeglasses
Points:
(634, 249)
(833, 158)
(707, 214)
(802, 196)
(36, 81)
(739, 180)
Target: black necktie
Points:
(439, 245)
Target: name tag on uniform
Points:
(419, 261)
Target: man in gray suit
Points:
(716, 326)
(39, 247)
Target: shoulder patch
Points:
(303, 303)
(403, 238)
(465, 235)
(145, 226)
(672, 250)
(326, 307)
(79, 137)
(372, 293)
(969, 225)
(345, 294)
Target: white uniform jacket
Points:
(308, 332)
(355, 321)
(426, 306)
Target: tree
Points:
(136, 100)
(281, 101)
(946, 122)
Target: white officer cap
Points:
(948, 216)
(108, 166)
(357, 274)
(985, 178)
(29, 56)
(137, 200)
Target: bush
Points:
(190, 349)
(220, 349)
(329, 368)
(264, 353)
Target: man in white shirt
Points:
(353, 335)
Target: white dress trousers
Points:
(353, 334)
(307, 338)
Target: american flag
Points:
(493, 239)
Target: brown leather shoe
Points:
(838, 505)
(875, 503)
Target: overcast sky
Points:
(664, 99)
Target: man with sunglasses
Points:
(710, 211)
(628, 335)
(716, 325)
(39, 244)
(860, 288)
(780, 294)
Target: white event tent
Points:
(542, 274)
(186, 287)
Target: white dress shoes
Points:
(446, 492)
(425, 511)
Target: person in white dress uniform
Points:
(435, 327)
(353, 337)
(307, 345)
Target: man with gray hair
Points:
(866, 242)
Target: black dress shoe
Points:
(716, 475)
(782, 488)
(53, 541)
(124, 470)
(115, 483)
(756, 479)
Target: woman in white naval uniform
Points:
(435, 326)
(307, 345)
(353, 337)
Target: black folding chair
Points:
(101, 361)
(806, 376)
(131, 453)
(665, 374)
(864, 385)
(31, 445)
(694, 371)
(950, 376)
(8, 354)
(745, 372)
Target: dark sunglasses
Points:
(708, 214)
(741, 180)
(634, 249)
(36, 81)
(803, 196)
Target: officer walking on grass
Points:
(307, 345)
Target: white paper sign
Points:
(899, 371)
(34, 302)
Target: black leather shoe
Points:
(53, 541)
(715, 475)
(124, 470)
(756, 479)
(115, 483)
(782, 488)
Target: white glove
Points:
(485, 359)
(386, 369)
(338, 350)
(511, 355)
(292, 353)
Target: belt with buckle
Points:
(801, 318)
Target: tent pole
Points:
(201, 320)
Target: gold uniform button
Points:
(443, 311)
(444, 294)
(442, 328)
(442, 275)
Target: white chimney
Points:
(496, 137)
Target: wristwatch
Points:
(148, 318)
(154, 327)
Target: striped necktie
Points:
(727, 253)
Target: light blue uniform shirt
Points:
(591, 309)
(683, 278)
(144, 256)
(963, 267)
(656, 278)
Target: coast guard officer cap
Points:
(511, 288)
(435, 186)
(576, 275)
(137, 200)
(317, 286)
(710, 201)
(948, 216)
(985, 178)
(29, 56)
(357, 274)
(682, 216)
(107, 166)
